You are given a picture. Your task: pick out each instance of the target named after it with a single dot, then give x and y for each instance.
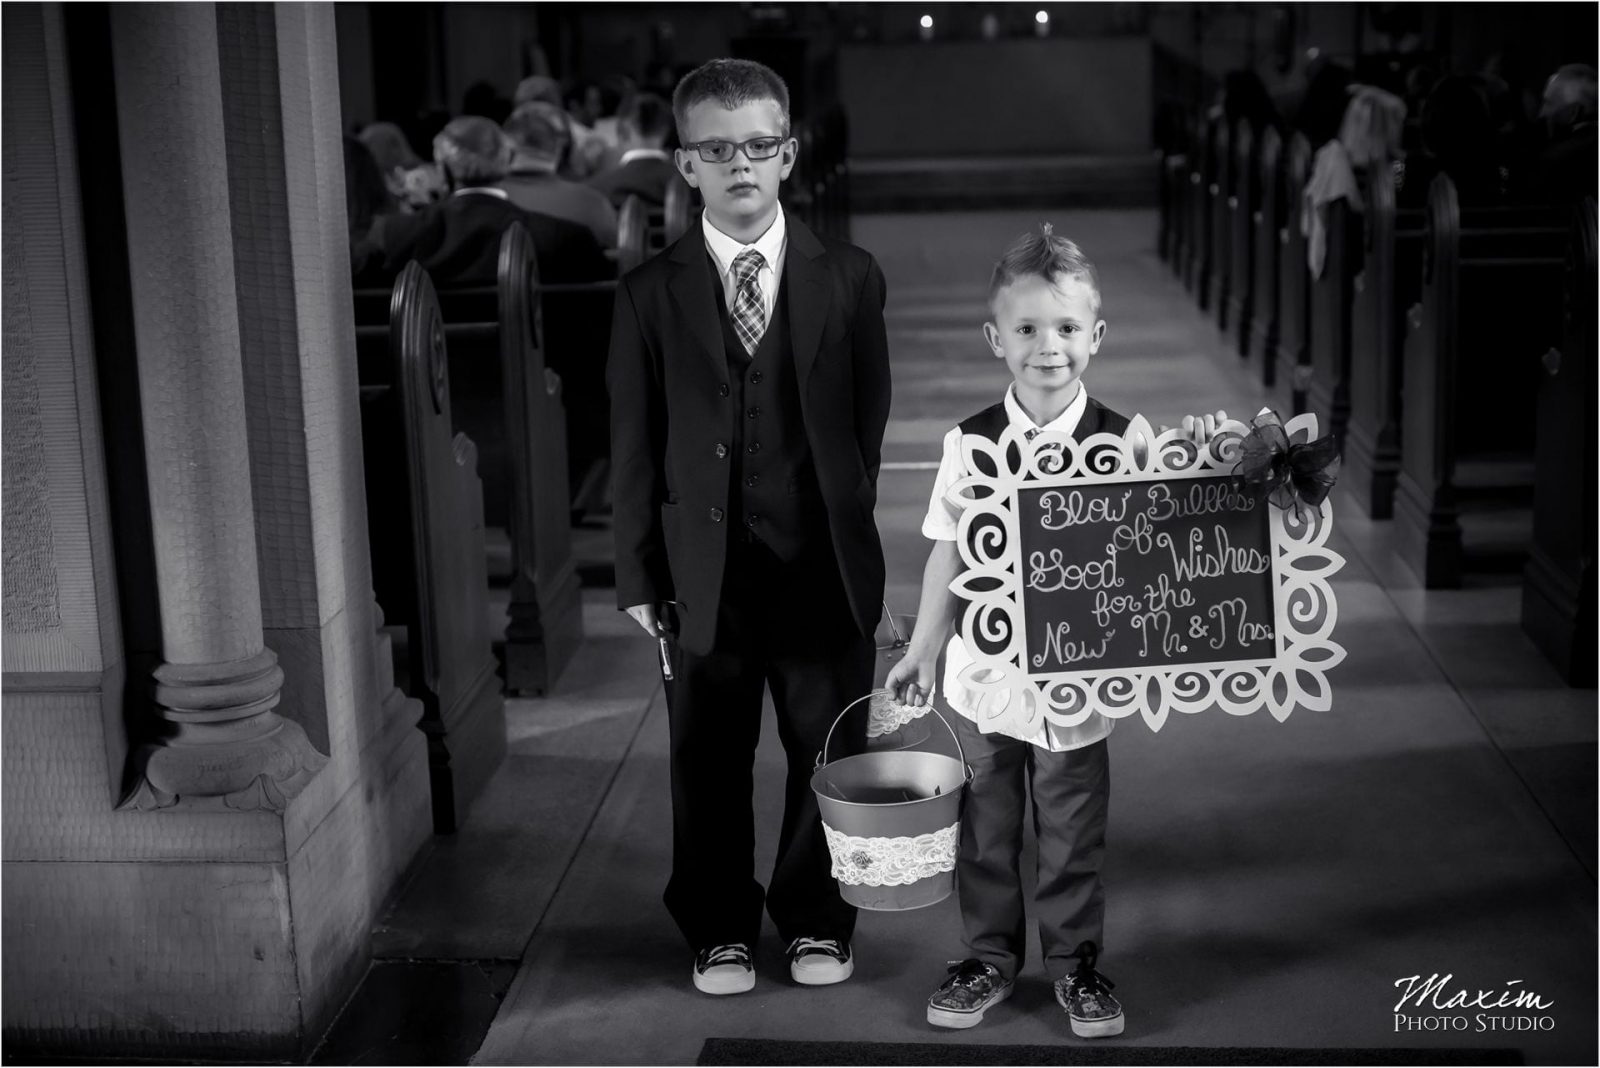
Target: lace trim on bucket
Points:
(891, 861)
(886, 715)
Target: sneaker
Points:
(724, 970)
(972, 989)
(820, 961)
(1086, 995)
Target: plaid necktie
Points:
(749, 320)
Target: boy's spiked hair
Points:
(1044, 255)
(732, 83)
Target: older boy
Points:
(749, 378)
(1044, 296)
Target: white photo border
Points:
(1009, 696)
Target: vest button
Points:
(752, 480)
(755, 447)
(755, 377)
(753, 412)
(716, 515)
(722, 450)
(722, 390)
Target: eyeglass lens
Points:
(755, 148)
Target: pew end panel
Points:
(1293, 351)
(1244, 206)
(1266, 222)
(1558, 584)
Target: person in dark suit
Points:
(645, 166)
(749, 379)
(458, 240)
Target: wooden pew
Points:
(425, 529)
(1266, 222)
(633, 235)
(1491, 307)
(1387, 284)
(1328, 385)
(1558, 585)
(679, 210)
(513, 410)
(1217, 279)
(1243, 205)
(1173, 183)
(1293, 350)
(1202, 169)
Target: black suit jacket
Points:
(457, 241)
(669, 416)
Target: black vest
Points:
(773, 489)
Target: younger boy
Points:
(1044, 296)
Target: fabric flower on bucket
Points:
(1288, 474)
(885, 715)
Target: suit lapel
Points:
(806, 273)
(690, 286)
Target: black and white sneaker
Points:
(820, 961)
(724, 969)
(1086, 995)
(971, 988)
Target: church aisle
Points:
(1267, 883)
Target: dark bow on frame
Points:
(1289, 475)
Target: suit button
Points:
(755, 377)
(752, 480)
(722, 390)
(753, 412)
(751, 521)
(716, 515)
(755, 447)
(722, 450)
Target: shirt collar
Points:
(642, 153)
(724, 248)
(482, 190)
(1065, 423)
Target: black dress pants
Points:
(787, 627)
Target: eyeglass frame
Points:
(698, 147)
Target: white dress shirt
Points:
(772, 245)
(940, 524)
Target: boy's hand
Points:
(645, 615)
(1202, 428)
(911, 681)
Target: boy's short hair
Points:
(732, 83)
(1046, 255)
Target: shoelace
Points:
(831, 946)
(1090, 983)
(734, 953)
(966, 972)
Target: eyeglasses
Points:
(722, 151)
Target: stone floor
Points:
(1268, 883)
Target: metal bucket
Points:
(893, 822)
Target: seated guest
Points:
(412, 183)
(537, 88)
(1457, 138)
(645, 167)
(538, 134)
(458, 240)
(1564, 171)
(366, 197)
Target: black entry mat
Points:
(717, 1051)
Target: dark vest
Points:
(773, 487)
(992, 422)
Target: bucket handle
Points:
(822, 757)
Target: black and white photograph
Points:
(799, 533)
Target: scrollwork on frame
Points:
(993, 627)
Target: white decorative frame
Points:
(1009, 695)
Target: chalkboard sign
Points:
(1105, 579)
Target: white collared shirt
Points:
(940, 524)
(645, 153)
(481, 190)
(772, 245)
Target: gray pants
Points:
(1071, 792)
